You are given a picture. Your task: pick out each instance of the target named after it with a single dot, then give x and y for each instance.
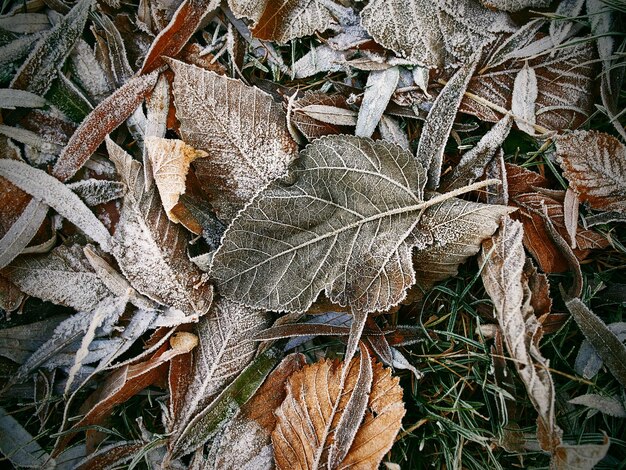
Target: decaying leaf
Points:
(94, 192)
(345, 221)
(378, 90)
(431, 33)
(595, 165)
(608, 405)
(241, 128)
(170, 160)
(318, 114)
(246, 440)
(151, 250)
(314, 405)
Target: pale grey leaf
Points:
(88, 72)
(151, 250)
(157, 105)
(32, 139)
(391, 131)
(473, 163)
(64, 276)
(516, 5)
(570, 215)
(401, 362)
(433, 34)
(581, 456)
(25, 23)
(50, 190)
(22, 231)
(524, 99)
(241, 128)
(18, 445)
(329, 114)
(566, 12)
(319, 59)
(378, 90)
(94, 192)
(607, 405)
(11, 99)
(519, 39)
(16, 50)
(17, 343)
(439, 122)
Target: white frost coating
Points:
(330, 114)
(565, 12)
(95, 192)
(22, 231)
(41, 185)
(18, 445)
(525, 94)
(380, 86)
(391, 131)
(88, 72)
(319, 59)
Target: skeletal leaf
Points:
(63, 276)
(308, 416)
(595, 165)
(314, 232)
(18, 445)
(48, 189)
(246, 440)
(588, 362)
(40, 68)
(474, 162)
(108, 115)
(608, 405)
(604, 341)
(516, 5)
(524, 99)
(225, 349)
(284, 20)
(378, 90)
(170, 163)
(241, 128)
(565, 80)
(439, 123)
(428, 33)
(151, 250)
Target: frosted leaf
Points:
(565, 12)
(284, 20)
(17, 343)
(94, 192)
(151, 250)
(18, 445)
(225, 349)
(594, 163)
(108, 115)
(10, 99)
(610, 406)
(158, 106)
(565, 80)
(473, 163)
(64, 276)
(378, 90)
(87, 71)
(311, 115)
(433, 33)
(319, 59)
(345, 222)
(22, 231)
(170, 164)
(588, 362)
(524, 99)
(439, 122)
(25, 23)
(514, 43)
(516, 5)
(329, 114)
(11, 297)
(391, 131)
(40, 68)
(250, 9)
(241, 128)
(48, 189)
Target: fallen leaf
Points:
(151, 250)
(610, 406)
(580, 456)
(354, 245)
(378, 90)
(23, 229)
(18, 445)
(562, 24)
(594, 163)
(588, 362)
(318, 114)
(316, 402)
(516, 5)
(94, 192)
(111, 455)
(391, 131)
(241, 128)
(524, 98)
(170, 163)
(433, 33)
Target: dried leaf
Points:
(581, 456)
(312, 123)
(17, 343)
(610, 349)
(524, 99)
(40, 68)
(607, 405)
(18, 445)
(562, 24)
(151, 250)
(108, 115)
(309, 414)
(378, 90)
(570, 215)
(63, 277)
(595, 165)
(158, 108)
(319, 59)
(516, 5)
(170, 163)
(565, 81)
(588, 362)
(226, 348)
(241, 129)
(439, 123)
(10, 99)
(391, 131)
(246, 440)
(94, 192)
(110, 456)
(318, 233)
(22, 231)
(431, 33)
(87, 71)
(54, 193)
(284, 20)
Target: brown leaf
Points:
(522, 194)
(595, 165)
(240, 127)
(108, 115)
(177, 33)
(10, 295)
(565, 81)
(307, 418)
(309, 124)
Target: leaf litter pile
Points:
(312, 234)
